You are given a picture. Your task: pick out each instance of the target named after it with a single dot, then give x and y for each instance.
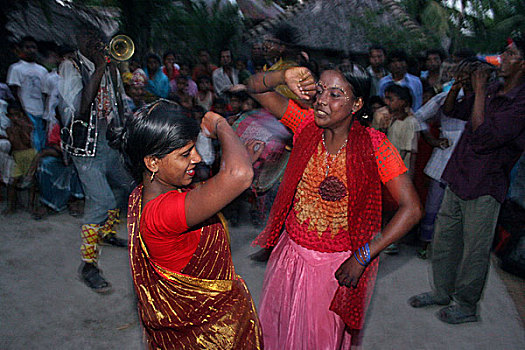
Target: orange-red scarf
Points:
(364, 209)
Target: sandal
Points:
(454, 315)
(426, 299)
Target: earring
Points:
(152, 176)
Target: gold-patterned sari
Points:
(205, 306)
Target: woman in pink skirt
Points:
(326, 220)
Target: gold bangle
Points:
(264, 80)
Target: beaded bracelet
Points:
(363, 258)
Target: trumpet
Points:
(120, 48)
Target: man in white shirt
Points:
(376, 69)
(225, 77)
(90, 103)
(25, 81)
(50, 86)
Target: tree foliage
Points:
(380, 33)
(180, 25)
(197, 26)
(481, 25)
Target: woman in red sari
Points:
(189, 296)
(325, 222)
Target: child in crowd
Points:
(134, 84)
(19, 135)
(6, 161)
(220, 106)
(402, 131)
(191, 86)
(244, 73)
(381, 119)
(205, 95)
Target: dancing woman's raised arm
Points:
(234, 177)
(261, 87)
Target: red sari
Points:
(204, 306)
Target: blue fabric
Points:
(159, 85)
(105, 181)
(436, 190)
(410, 81)
(58, 183)
(39, 132)
(517, 182)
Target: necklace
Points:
(330, 156)
(332, 189)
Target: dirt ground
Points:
(43, 305)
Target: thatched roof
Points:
(259, 9)
(331, 25)
(56, 22)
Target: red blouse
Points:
(322, 224)
(165, 232)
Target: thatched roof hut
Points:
(259, 9)
(57, 22)
(344, 26)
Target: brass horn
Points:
(121, 48)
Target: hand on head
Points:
(209, 124)
(301, 81)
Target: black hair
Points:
(376, 99)
(65, 49)
(154, 56)
(14, 104)
(47, 47)
(286, 34)
(402, 92)
(464, 52)
(399, 55)
(376, 47)
(242, 59)
(157, 129)
(360, 83)
(219, 101)
(203, 77)
(26, 39)
(86, 30)
(240, 95)
(167, 53)
(438, 52)
(224, 49)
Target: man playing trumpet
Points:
(92, 111)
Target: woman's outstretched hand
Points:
(209, 124)
(349, 273)
(301, 81)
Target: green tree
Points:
(481, 25)
(196, 25)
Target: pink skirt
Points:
(299, 285)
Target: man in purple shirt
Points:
(478, 179)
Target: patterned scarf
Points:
(364, 209)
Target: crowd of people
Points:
(368, 155)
